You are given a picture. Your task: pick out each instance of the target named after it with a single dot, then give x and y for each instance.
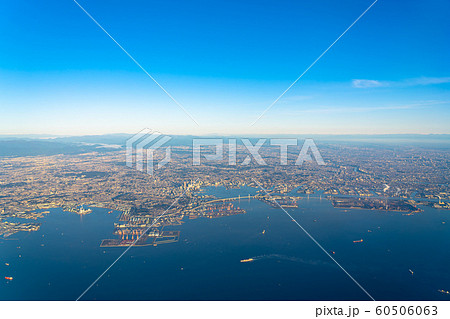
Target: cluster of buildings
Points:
(103, 180)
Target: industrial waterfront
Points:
(58, 261)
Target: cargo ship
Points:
(247, 260)
(9, 278)
(358, 241)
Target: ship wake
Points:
(294, 259)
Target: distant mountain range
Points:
(28, 145)
(21, 147)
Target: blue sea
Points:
(64, 257)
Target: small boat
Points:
(9, 278)
(6, 264)
(358, 241)
(110, 212)
(412, 272)
(264, 231)
(333, 252)
(444, 291)
(247, 260)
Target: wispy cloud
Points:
(364, 83)
(327, 110)
(427, 81)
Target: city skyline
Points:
(225, 63)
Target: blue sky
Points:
(225, 62)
